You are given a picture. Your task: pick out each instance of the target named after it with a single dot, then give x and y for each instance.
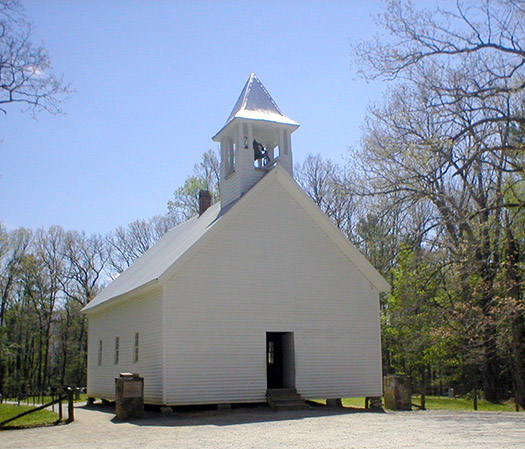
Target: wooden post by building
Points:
(70, 405)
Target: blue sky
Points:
(154, 81)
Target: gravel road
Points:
(321, 428)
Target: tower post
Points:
(255, 138)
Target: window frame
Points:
(117, 351)
(100, 349)
(136, 349)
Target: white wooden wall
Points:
(142, 315)
(245, 175)
(251, 175)
(230, 188)
(271, 269)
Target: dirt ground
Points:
(324, 428)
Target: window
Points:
(228, 156)
(117, 348)
(136, 354)
(271, 353)
(100, 352)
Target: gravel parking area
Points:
(324, 428)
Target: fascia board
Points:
(235, 120)
(348, 249)
(279, 173)
(138, 291)
(229, 215)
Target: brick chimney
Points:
(204, 201)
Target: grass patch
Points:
(347, 402)
(445, 403)
(36, 419)
(37, 400)
(354, 402)
(439, 403)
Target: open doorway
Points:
(280, 360)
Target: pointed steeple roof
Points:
(256, 103)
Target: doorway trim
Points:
(280, 360)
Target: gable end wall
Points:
(270, 269)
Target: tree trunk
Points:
(423, 388)
(490, 371)
(491, 368)
(517, 325)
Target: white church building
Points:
(259, 292)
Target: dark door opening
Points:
(280, 364)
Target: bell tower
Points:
(255, 138)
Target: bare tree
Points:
(474, 51)
(25, 68)
(85, 257)
(13, 247)
(127, 243)
(446, 137)
(327, 184)
(49, 271)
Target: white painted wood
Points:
(230, 188)
(164, 346)
(204, 297)
(271, 263)
(271, 269)
(252, 177)
(256, 104)
(143, 315)
(255, 115)
(286, 157)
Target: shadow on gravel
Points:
(103, 408)
(187, 417)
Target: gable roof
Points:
(176, 245)
(161, 256)
(255, 103)
(334, 233)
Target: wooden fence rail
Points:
(67, 394)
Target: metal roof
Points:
(255, 103)
(177, 242)
(160, 257)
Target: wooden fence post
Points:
(27, 412)
(70, 405)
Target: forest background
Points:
(434, 196)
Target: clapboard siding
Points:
(271, 268)
(252, 177)
(241, 180)
(142, 315)
(230, 188)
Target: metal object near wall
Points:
(129, 396)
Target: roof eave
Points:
(352, 253)
(110, 302)
(290, 124)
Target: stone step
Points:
(285, 399)
(275, 392)
(280, 407)
(289, 403)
